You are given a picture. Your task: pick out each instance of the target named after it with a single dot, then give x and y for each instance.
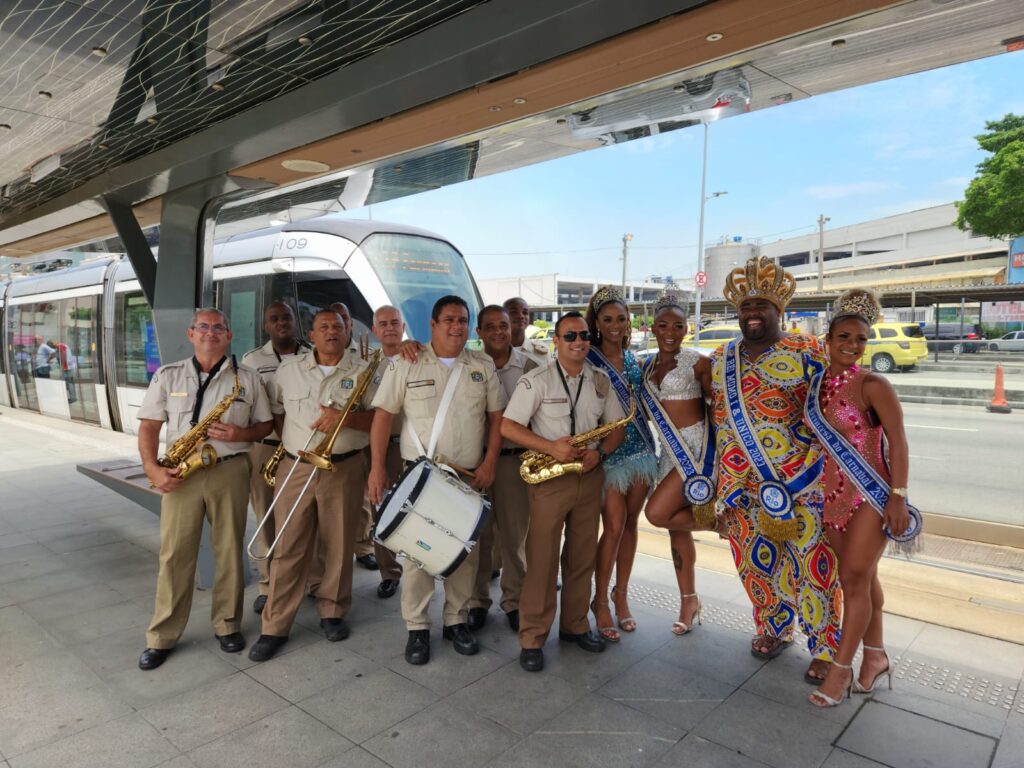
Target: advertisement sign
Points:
(1015, 270)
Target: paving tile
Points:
(129, 742)
(893, 737)
(714, 652)
(237, 700)
(35, 587)
(40, 565)
(945, 707)
(840, 758)
(14, 540)
(101, 622)
(532, 752)
(289, 737)
(441, 735)
(996, 658)
(181, 761)
(519, 700)
(695, 752)
(310, 669)
(666, 692)
(776, 734)
(56, 607)
(23, 553)
(601, 732)
(1010, 753)
(367, 702)
(590, 670)
(61, 545)
(187, 668)
(382, 639)
(357, 757)
(447, 670)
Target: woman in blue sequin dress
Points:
(630, 472)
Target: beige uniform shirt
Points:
(264, 360)
(536, 350)
(518, 363)
(172, 396)
(397, 420)
(415, 389)
(541, 403)
(299, 389)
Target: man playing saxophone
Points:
(550, 410)
(183, 394)
(330, 508)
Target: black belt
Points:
(270, 441)
(512, 451)
(222, 459)
(335, 457)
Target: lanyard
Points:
(204, 384)
(572, 403)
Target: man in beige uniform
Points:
(551, 404)
(415, 390)
(328, 504)
(279, 326)
(389, 328)
(182, 394)
(510, 511)
(519, 318)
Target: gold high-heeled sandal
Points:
(626, 622)
(887, 672)
(679, 628)
(817, 695)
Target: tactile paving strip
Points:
(1001, 694)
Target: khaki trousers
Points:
(390, 568)
(330, 511)
(219, 494)
(260, 496)
(572, 502)
(508, 522)
(418, 588)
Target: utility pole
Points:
(625, 256)
(822, 220)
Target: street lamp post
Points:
(625, 256)
(822, 221)
(704, 197)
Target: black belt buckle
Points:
(270, 441)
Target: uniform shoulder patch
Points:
(347, 383)
(529, 364)
(476, 376)
(602, 384)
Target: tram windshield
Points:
(417, 271)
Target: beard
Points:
(757, 333)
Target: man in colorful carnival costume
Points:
(769, 490)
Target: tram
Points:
(80, 343)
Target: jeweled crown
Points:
(760, 278)
(604, 295)
(667, 300)
(859, 302)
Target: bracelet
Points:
(900, 492)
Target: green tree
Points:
(993, 203)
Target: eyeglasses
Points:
(571, 335)
(207, 328)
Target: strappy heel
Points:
(611, 634)
(887, 672)
(817, 696)
(626, 622)
(679, 628)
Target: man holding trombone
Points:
(319, 488)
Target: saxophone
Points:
(191, 452)
(539, 467)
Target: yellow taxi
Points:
(894, 345)
(713, 336)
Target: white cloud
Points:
(837, 191)
(909, 205)
(956, 181)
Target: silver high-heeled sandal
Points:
(829, 701)
(679, 628)
(887, 672)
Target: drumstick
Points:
(461, 470)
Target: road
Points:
(966, 462)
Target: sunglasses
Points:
(571, 335)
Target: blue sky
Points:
(853, 155)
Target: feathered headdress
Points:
(858, 302)
(760, 278)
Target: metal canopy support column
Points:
(135, 244)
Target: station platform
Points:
(77, 577)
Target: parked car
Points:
(894, 345)
(949, 337)
(713, 336)
(1011, 342)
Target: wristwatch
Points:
(900, 492)
(601, 453)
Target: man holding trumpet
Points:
(308, 397)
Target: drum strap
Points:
(442, 410)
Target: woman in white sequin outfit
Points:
(675, 378)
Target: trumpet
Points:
(319, 457)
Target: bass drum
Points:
(432, 518)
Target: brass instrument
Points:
(319, 457)
(191, 452)
(539, 467)
(269, 468)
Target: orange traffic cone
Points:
(999, 404)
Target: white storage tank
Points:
(721, 259)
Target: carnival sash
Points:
(624, 392)
(873, 487)
(774, 494)
(697, 474)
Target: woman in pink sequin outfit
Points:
(863, 407)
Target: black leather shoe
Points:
(334, 629)
(495, 573)
(532, 659)
(265, 648)
(513, 619)
(369, 562)
(477, 618)
(259, 604)
(462, 639)
(417, 650)
(588, 641)
(152, 658)
(387, 588)
(231, 643)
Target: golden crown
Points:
(761, 278)
(604, 295)
(859, 302)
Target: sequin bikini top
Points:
(680, 383)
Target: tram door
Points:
(78, 356)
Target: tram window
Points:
(416, 272)
(136, 352)
(313, 291)
(238, 298)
